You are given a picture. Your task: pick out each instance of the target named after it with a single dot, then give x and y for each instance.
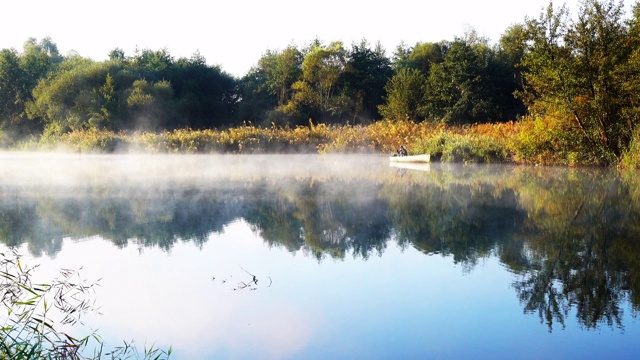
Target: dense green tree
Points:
(82, 94)
(38, 59)
(405, 96)
(339, 85)
(151, 91)
(576, 71)
(512, 49)
(268, 87)
(405, 91)
(204, 96)
(510, 53)
(155, 65)
(464, 81)
(70, 98)
(400, 57)
(256, 103)
(629, 72)
(116, 54)
(459, 89)
(363, 81)
(19, 74)
(424, 55)
(318, 95)
(13, 91)
(281, 69)
(200, 95)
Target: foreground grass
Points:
(525, 141)
(33, 317)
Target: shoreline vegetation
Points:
(517, 142)
(555, 89)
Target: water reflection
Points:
(570, 236)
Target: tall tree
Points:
(205, 96)
(511, 50)
(281, 69)
(400, 57)
(366, 74)
(256, 103)
(19, 74)
(629, 72)
(79, 95)
(573, 71)
(459, 90)
(116, 54)
(39, 58)
(424, 55)
(318, 95)
(405, 96)
(12, 88)
(155, 65)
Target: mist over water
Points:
(441, 251)
(159, 171)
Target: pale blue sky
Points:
(234, 34)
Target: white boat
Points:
(424, 158)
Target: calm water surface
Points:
(316, 257)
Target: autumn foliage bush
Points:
(532, 140)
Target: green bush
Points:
(448, 147)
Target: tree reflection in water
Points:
(582, 246)
(570, 236)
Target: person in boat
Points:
(402, 151)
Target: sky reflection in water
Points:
(416, 293)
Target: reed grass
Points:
(33, 317)
(631, 159)
(525, 141)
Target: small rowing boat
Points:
(423, 158)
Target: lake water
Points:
(329, 257)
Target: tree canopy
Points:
(577, 74)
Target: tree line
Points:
(578, 76)
(329, 83)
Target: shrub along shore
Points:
(519, 142)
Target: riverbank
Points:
(521, 142)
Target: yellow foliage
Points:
(532, 140)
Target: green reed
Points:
(34, 316)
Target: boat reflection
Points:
(411, 166)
